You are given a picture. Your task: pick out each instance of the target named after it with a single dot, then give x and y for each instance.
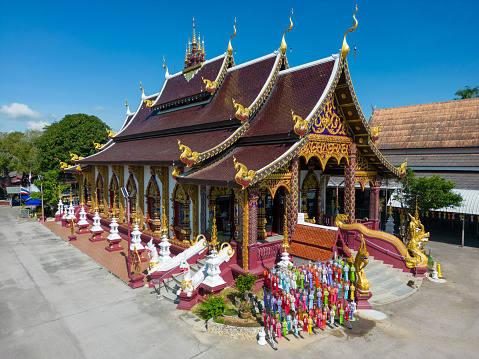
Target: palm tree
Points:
(468, 93)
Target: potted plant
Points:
(244, 309)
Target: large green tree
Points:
(430, 193)
(73, 133)
(19, 152)
(468, 93)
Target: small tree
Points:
(467, 93)
(51, 187)
(429, 193)
(213, 306)
(244, 283)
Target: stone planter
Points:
(245, 315)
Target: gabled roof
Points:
(449, 124)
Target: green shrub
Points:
(212, 307)
(244, 283)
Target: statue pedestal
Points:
(362, 300)
(82, 229)
(213, 279)
(96, 236)
(285, 260)
(72, 238)
(136, 281)
(114, 245)
(58, 218)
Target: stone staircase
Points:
(172, 283)
(388, 284)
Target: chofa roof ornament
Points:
(230, 48)
(167, 74)
(345, 49)
(284, 47)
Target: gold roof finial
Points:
(186, 53)
(194, 35)
(164, 66)
(284, 47)
(142, 91)
(203, 46)
(189, 46)
(230, 48)
(345, 48)
(199, 42)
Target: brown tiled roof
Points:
(299, 91)
(177, 87)
(312, 243)
(156, 151)
(432, 125)
(436, 160)
(243, 84)
(253, 157)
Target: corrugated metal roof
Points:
(470, 202)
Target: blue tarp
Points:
(33, 202)
(25, 198)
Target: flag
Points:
(23, 190)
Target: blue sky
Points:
(59, 58)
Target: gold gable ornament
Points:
(242, 113)
(345, 49)
(402, 169)
(187, 155)
(243, 177)
(300, 125)
(98, 146)
(230, 48)
(210, 85)
(284, 46)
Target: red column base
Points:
(64, 222)
(97, 236)
(72, 238)
(362, 300)
(114, 246)
(136, 281)
(83, 229)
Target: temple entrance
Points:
(153, 202)
(181, 219)
(274, 211)
(99, 200)
(223, 201)
(311, 197)
(114, 194)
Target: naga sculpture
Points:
(300, 125)
(75, 157)
(153, 253)
(345, 47)
(98, 146)
(375, 132)
(418, 238)
(402, 169)
(63, 165)
(187, 282)
(187, 156)
(242, 113)
(243, 177)
(210, 85)
(176, 172)
(417, 241)
(111, 133)
(361, 261)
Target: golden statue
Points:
(418, 238)
(210, 85)
(243, 177)
(242, 113)
(361, 261)
(345, 48)
(300, 125)
(187, 156)
(284, 47)
(230, 48)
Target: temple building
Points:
(246, 144)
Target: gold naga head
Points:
(230, 48)
(345, 49)
(284, 47)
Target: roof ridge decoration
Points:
(230, 48)
(128, 113)
(345, 48)
(145, 99)
(243, 177)
(242, 113)
(284, 46)
(210, 85)
(187, 156)
(300, 125)
(167, 74)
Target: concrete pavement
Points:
(56, 302)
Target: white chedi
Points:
(113, 230)
(82, 221)
(135, 239)
(164, 249)
(96, 223)
(71, 212)
(60, 208)
(153, 253)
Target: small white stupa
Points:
(165, 244)
(285, 260)
(96, 229)
(114, 238)
(135, 239)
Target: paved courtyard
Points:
(56, 302)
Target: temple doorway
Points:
(274, 211)
(223, 200)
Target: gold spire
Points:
(230, 48)
(186, 53)
(214, 234)
(285, 244)
(189, 48)
(126, 104)
(194, 35)
(71, 197)
(199, 42)
(284, 47)
(345, 48)
(203, 46)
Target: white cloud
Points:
(19, 111)
(36, 126)
(99, 108)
